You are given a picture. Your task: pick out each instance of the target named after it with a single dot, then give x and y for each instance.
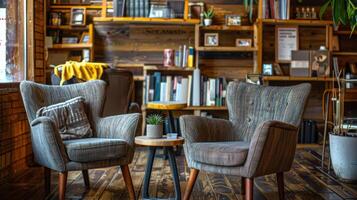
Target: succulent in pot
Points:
(154, 127)
(208, 15)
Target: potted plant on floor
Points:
(343, 146)
(208, 15)
(154, 127)
(343, 140)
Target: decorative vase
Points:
(207, 22)
(343, 157)
(154, 131)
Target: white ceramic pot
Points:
(343, 157)
(207, 22)
(154, 131)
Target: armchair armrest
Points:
(118, 127)
(47, 144)
(272, 149)
(203, 129)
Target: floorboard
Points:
(305, 181)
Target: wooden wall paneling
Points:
(134, 41)
(311, 38)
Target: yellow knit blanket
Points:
(81, 70)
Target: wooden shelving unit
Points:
(227, 28)
(72, 46)
(302, 22)
(68, 27)
(227, 49)
(294, 78)
(135, 20)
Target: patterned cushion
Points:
(95, 149)
(69, 117)
(220, 153)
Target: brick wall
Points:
(15, 144)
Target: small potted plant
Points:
(208, 15)
(154, 127)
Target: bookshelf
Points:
(82, 47)
(137, 43)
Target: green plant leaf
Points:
(324, 8)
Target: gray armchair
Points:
(112, 144)
(259, 139)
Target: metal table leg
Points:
(148, 170)
(175, 175)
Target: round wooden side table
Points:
(168, 145)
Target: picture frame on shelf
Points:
(286, 41)
(268, 69)
(161, 11)
(78, 16)
(211, 39)
(278, 70)
(69, 40)
(233, 20)
(243, 42)
(84, 38)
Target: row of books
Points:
(168, 88)
(137, 8)
(276, 9)
(204, 91)
(184, 56)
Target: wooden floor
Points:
(304, 181)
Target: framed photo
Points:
(78, 16)
(69, 40)
(243, 42)
(211, 39)
(286, 40)
(85, 38)
(233, 20)
(268, 69)
(159, 11)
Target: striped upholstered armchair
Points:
(112, 142)
(258, 139)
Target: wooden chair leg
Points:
(249, 184)
(47, 176)
(86, 178)
(242, 186)
(128, 181)
(191, 183)
(62, 182)
(280, 180)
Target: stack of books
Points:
(276, 9)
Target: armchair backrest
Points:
(37, 95)
(249, 105)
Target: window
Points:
(12, 39)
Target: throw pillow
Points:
(69, 117)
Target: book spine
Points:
(180, 57)
(132, 8)
(196, 87)
(184, 56)
(272, 8)
(168, 88)
(184, 90)
(190, 57)
(189, 92)
(212, 92)
(141, 8)
(157, 86)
